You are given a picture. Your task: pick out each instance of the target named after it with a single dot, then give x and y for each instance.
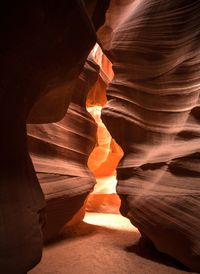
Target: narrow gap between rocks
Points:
(107, 153)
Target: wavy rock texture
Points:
(60, 151)
(36, 58)
(103, 162)
(106, 155)
(154, 114)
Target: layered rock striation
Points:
(153, 113)
(60, 151)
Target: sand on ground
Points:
(103, 244)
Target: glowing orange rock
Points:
(106, 155)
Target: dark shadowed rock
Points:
(38, 41)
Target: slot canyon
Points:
(100, 137)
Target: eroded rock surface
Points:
(106, 155)
(153, 113)
(60, 152)
(37, 57)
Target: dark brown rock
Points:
(36, 58)
(96, 10)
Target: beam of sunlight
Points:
(111, 221)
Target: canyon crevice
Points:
(52, 148)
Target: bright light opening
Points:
(107, 153)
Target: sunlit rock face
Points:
(153, 113)
(106, 155)
(103, 162)
(36, 57)
(60, 151)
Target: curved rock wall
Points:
(36, 58)
(153, 113)
(60, 151)
(105, 156)
(103, 162)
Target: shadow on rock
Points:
(146, 249)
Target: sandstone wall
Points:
(37, 57)
(153, 113)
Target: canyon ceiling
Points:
(152, 110)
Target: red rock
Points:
(106, 155)
(103, 203)
(153, 113)
(36, 58)
(60, 158)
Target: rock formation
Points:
(106, 155)
(37, 57)
(96, 10)
(153, 113)
(60, 151)
(103, 162)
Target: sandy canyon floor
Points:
(103, 244)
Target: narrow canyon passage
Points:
(103, 244)
(100, 137)
(94, 244)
